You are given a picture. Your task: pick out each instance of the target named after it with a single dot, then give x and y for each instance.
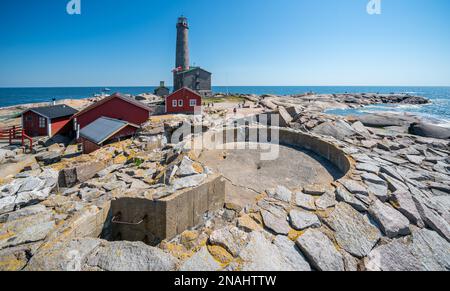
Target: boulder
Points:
(301, 220)
(391, 222)
(280, 193)
(261, 255)
(131, 256)
(394, 256)
(32, 197)
(201, 261)
(404, 203)
(291, 253)
(31, 184)
(305, 201)
(24, 212)
(379, 190)
(353, 231)
(433, 220)
(230, 238)
(320, 251)
(276, 223)
(360, 128)
(368, 167)
(69, 255)
(69, 177)
(187, 182)
(326, 201)
(337, 129)
(432, 250)
(342, 195)
(7, 204)
(248, 224)
(354, 187)
(188, 168)
(315, 190)
(429, 130)
(49, 158)
(26, 230)
(285, 117)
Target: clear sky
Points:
(243, 42)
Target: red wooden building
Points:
(115, 106)
(47, 121)
(104, 131)
(184, 101)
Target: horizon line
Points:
(231, 86)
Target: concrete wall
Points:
(284, 136)
(165, 218)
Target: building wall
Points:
(162, 91)
(197, 80)
(184, 95)
(126, 132)
(89, 147)
(30, 124)
(115, 108)
(61, 125)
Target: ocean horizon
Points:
(438, 110)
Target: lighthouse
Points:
(184, 75)
(182, 58)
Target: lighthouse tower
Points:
(182, 59)
(185, 76)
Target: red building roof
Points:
(115, 95)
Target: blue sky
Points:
(243, 42)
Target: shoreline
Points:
(311, 102)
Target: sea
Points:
(438, 111)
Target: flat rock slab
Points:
(404, 203)
(391, 221)
(201, 261)
(354, 187)
(394, 256)
(326, 201)
(301, 220)
(230, 238)
(261, 255)
(131, 256)
(424, 251)
(368, 167)
(64, 256)
(280, 193)
(291, 253)
(353, 231)
(305, 201)
(432, 250)
(26, 230)
(342, 195)
(320, 251)
(277, 224)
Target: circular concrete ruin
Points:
(241, 155)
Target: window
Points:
(174, 103)
(42, 122)
(29, 118)
(180, 103)
(192, 102)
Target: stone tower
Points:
(182, 58)
(194, 78)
